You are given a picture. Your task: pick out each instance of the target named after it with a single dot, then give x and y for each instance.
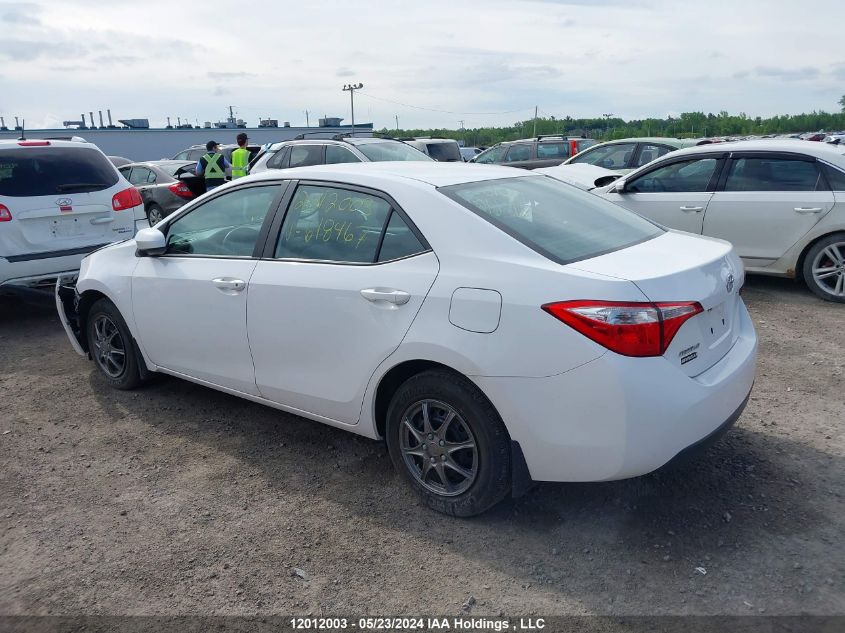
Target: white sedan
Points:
(492, 326)
(781, 203)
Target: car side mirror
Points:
(150, 242)
(618, 187)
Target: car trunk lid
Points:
(677, 267)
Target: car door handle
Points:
(227, 283)
(808, 209)
(397, 297)
(688, 209)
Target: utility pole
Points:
(535, 120)
(607, 116)
(396, 116)
(351, 88)
(307, 122)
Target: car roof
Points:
(432, 140)
(810, 148)
(15, 143)
(674, 142)
(350, 140)
(159, 163)
(432, 173)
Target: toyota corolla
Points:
(493, 327)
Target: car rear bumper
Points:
(618, 417)
(37, 270)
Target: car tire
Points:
(154, 214)
(112, 347)
(472, 450)
(824, 268)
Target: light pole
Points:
(607, 116)
(351, 88)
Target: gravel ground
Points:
(177, 499)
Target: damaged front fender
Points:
(67, 305)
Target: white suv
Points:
(59, 200)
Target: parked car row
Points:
(781, 203)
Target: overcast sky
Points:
(487, 62)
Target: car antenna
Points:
(23, 129)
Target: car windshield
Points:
(557, 220)
(390, 150)
(45, 171)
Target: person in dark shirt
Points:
(213, 166)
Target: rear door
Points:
(767, 201)
(144, 180)
(519, 155)
(341, 281)
(59, 199)
(674, 193)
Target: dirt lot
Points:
(177, 499)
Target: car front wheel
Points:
(824, 268)
(111, 347)
(449, 443)
(154, 214)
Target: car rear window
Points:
(390, 150)
(48, 171)
(444, 151)
(557, 220)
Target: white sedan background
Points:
(493, 327)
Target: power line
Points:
(408, 105)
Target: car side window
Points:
(399, 240)
(649, 152)
(552, 150)
(615, 156)
(773, 174)
(332, 224)
(225, 226)
(336, 154)
(196, 154)
(686, 176)
(835, 177)
(125, 171)
(181, 156)
(140, 176)
(492, 155)
(305, 155)
(518, 153)
(279, 159)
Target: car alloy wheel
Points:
(829, 269)
(154, 215)
(109, 349)
(438, 447)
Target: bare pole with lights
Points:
(351, 88)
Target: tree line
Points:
(687, 125)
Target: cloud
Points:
(29, 50)
(220, 91)
(344, 72)
(20, 13)
(787, 74)
(229, 76)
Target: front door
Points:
(334, 297)
(674, 195)
(767, 204)
(190, 303)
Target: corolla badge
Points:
(64, 202)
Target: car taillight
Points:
(126, 199)
(630, 329)
(5, 214)
(181, 190)
(33, 143)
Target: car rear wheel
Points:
(155, 214)
(824, 268)
(111, 347)
(449, 443)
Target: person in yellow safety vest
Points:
(213, 166)
(240, 157)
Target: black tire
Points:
(103, 319)
(818, 256)
(154, 211)
(474, 418)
